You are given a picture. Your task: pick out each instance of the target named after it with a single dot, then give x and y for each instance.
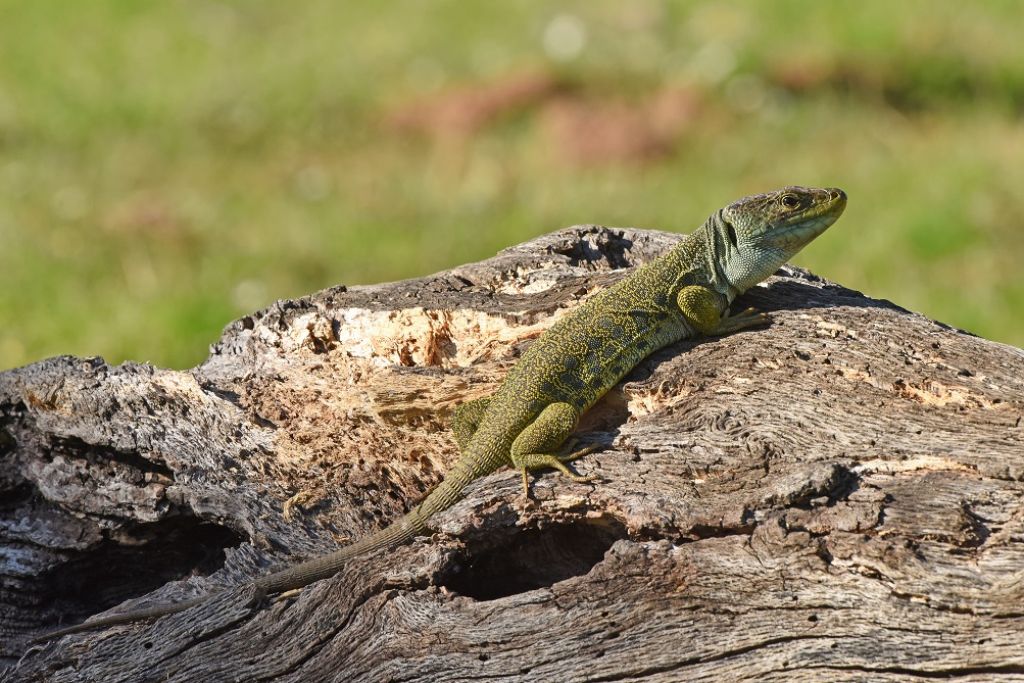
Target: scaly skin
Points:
(684, 293)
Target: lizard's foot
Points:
(538, 445)
(578, 453)
(556, 463)
(537, 461)
(286, 595)
(750, 317)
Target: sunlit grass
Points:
(165, 168)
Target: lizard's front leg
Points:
(537, 446)
(701, 305)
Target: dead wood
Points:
(836, 497)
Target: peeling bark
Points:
(835, 497)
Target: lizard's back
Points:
(587, 352)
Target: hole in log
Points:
(7, 442)
(116, 570)
(532, 559)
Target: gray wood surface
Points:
(836, 497)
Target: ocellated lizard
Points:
(683, 293)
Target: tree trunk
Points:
(835, 497)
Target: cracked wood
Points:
(836, 497)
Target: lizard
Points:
(684, 293)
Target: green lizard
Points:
(684, 293)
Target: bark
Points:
(835, 497)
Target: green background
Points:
(168, 167)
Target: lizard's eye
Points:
(790, 201)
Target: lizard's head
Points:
(758, 234)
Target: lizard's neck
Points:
(700, 260)
(715, 254)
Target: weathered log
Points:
(835, 497)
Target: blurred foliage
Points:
(167, 167)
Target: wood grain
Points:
(837, 497)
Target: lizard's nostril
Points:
(835, 193)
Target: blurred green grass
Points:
(167, 167)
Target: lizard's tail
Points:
(405, 529)
(126, 618)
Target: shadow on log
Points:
(835, 497)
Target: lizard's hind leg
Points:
(537, 446)
(467, 418)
